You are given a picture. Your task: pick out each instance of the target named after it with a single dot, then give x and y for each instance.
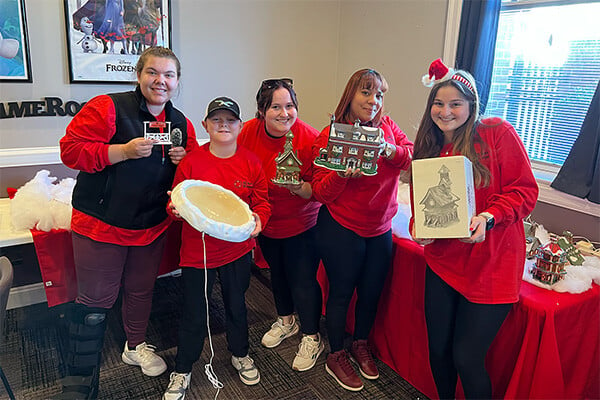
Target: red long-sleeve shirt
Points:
(365, 205)
(85, 148)
(490, 272)
(242, 174)
(291, 215)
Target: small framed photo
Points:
(15, 64)
(106, 37)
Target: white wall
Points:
(228, 46)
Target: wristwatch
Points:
(389, 150)
(489, 220)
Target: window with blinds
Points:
(546, 69)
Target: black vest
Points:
(131, 194)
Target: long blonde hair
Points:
(430, 138)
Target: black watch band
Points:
(489, 220)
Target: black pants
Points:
(460, 334)
(294, 262)
(351, 262)
(235, 279)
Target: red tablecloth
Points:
(548, 347)
(55, 255)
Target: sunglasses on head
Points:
(272, 83)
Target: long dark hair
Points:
(430, 138)
(264, 96)
(362, 79)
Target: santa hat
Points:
(439, 72)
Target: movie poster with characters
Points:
(106, 37)
(14, 50)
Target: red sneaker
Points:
(338, 365)
(362, 356)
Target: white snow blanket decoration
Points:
(43, 204)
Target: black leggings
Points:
(460, 334)
(351, 262)
(235, 280)
(294, 263)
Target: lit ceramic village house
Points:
(351, 146)
(550, 263)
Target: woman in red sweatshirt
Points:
(471, 283)
(354, 233)
(288, 241)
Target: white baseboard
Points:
(22, 296)
(27, 156)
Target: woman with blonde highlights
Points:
(354, 233)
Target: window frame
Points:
(544, 172)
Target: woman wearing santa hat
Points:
(472, 283)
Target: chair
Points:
(6, 279)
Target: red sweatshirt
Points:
(291, 215)
(85, 148)
(365, 205)
(242, 174)
(490, 272)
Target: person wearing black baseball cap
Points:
(202, 257)
(223, 103)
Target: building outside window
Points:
(546, 70)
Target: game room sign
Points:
(48, 107)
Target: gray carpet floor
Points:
(31, 347)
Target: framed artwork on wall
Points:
(15, 65)
(106, 37)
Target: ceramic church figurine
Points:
(287, 164)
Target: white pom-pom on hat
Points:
(438, 72)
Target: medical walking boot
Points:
(86, 337)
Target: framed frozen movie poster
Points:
(14, 47)
(106, 37)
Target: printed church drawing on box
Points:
(440, 206)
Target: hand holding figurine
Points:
(302, 189)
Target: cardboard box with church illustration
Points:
(444, 197)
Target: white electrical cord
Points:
(208, 369)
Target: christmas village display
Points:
(552, 258)
(550, 263)
(351, 146)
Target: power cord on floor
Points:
(208, 369)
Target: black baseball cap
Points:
(223, 103)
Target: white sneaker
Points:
(279, 332)
(309, 351)
(144, 356)
(177, 386)
(246, 369)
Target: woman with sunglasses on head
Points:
(471, 284)
(354, 227)
(288, 240)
